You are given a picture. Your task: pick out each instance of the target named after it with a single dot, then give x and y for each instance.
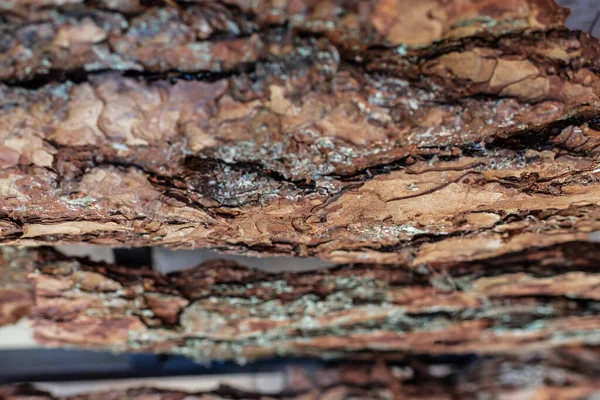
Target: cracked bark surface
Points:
(568, 374)
(472, 137)
(42, 37)
(449, 147)
(539, 300)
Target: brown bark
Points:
(568, 374)
(45, 36)
(522, 326)
(451, 147)
(328, 143)
(538, 300)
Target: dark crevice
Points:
(541, 139)
(81, 75)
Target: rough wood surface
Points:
(46, 37)
(537, 300)
(521, 326)
(524, 325)
(449, 147)
(470, 137)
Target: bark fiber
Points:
(16, 293)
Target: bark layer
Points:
(450, 146)
(537, 300)
(522, 325)
(49, 37)
(352, 147)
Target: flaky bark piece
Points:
(541, 299)
(490, 144)
(54, 37)
(568, 374)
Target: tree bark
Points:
(444, 153)
(363, 140)
(524, 324)
(44, 38)
(538, 300)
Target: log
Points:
(365, 140)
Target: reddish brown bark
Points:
(524, 324)
(457, 162)
(331, 143)
(531, 301)
(41, 37)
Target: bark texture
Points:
(569, 374)
(538, 300)
(43, 37)
(261, 128)
(449, 147)
(523, 325)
